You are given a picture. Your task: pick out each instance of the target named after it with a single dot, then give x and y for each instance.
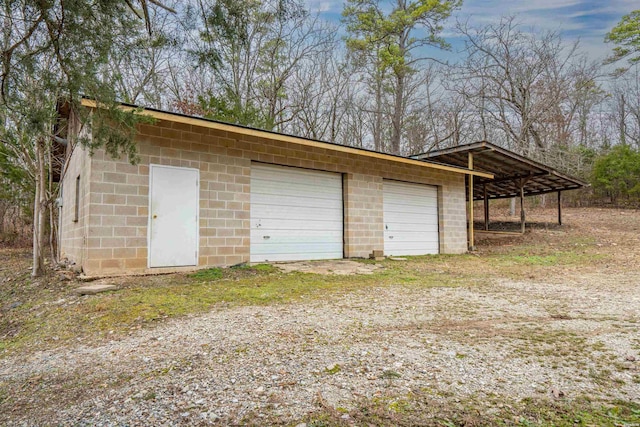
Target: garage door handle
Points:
(266, 237)
(391, 237)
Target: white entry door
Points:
(296, 214)
(410, 218)
(173, 216)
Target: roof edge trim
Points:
(226, 127)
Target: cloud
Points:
(586, 20)
(325, 6)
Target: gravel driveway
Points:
(491, 340)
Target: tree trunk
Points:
(623, 114)
(4, 207)
(52, 214)
(377, 125)
(397, 114)
(39, 211)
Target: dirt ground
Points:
(547, 320)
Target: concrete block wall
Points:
(364, 228)
(73, 233)
(119, 199)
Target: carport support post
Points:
(523, 217)
(471, 237)
(559, 207)
(486, 208)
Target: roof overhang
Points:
(274, 136)
(510, 171)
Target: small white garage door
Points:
(410, 218)
(296, 214)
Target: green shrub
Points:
(617, 173)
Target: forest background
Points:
(381, 75)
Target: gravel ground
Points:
(575, 334)
(508, 338)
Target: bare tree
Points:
(625, 107)
(258, 52)
(319, 95)
(538, 91)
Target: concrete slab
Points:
(337, 267)
(94, 289)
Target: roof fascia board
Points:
(178, 118)
(450, 150)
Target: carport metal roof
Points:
(511, 171)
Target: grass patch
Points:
(390, 375)
(332, 370)
(209, 274)
(557, 258)
(143, 301)
(421, 409)
(265, 268)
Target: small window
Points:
(76, 206)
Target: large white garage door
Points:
(410, 219)
(296, 214)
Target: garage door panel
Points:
(286, 236)
(267, 200)
(283, 173)
(324, 192)
(293, 256)
(411, 228)
(419, 251)
(413, 238)
(410, 218)
(417, 207)
(296, 214)
(424, 208)
(304, 181)
(285, 225)
(302, 249)
(402, 189)
(311, 212)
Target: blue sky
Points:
(587, 20)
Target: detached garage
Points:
(209, 194)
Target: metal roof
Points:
(509, 170)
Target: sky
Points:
(586, 20)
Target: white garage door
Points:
(296, 214)
(410, 219)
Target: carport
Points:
(514, 176)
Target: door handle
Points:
(266, 237)
(155, 216)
